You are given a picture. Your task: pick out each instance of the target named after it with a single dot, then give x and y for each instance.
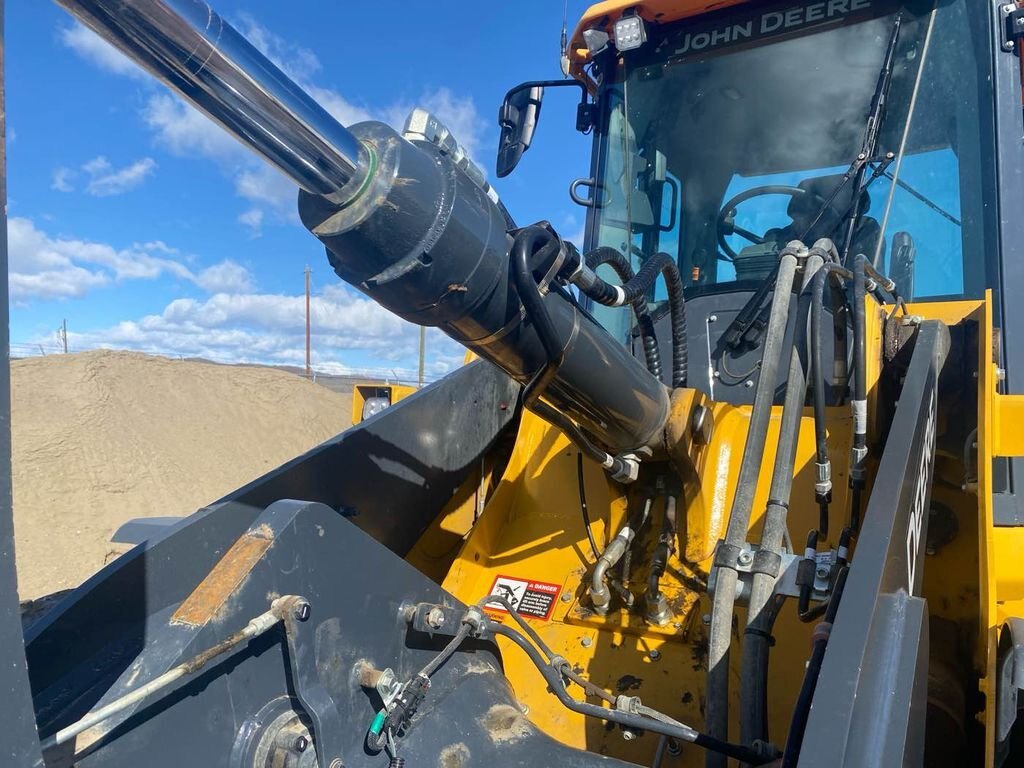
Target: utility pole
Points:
(64, 334)
(423, 345)
(309, 368)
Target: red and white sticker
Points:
(533, 599)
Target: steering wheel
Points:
(726, 221)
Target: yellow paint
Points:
(1007, 417)
(531, 528)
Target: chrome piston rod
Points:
(188, 46)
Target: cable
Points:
(583, 505)
(434, 664)
(641, 718)
(802, 710)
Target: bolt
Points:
(524, 709)
(302, 610)
(706, 618)
(586, 642)
(748, 383)
(674, 748)
(822, 571)
(567, 597)
(712, 318)
(336, 763)
(1009, 8)
(677, 624)
(745, 557)
(654, 654)
(718, 375)
(628, 735)
(301, 744)
(1008, 45)
(435, 618)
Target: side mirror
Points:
(518, 120)
(520, 112)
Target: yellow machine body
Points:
(522, 522)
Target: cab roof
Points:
(603, 16)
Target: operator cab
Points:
(720, 138)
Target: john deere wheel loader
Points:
(736, 480)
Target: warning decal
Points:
(534, 599)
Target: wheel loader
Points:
(734, 481)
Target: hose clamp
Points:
(727, 556)
(768, 563)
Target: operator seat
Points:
(804, 208)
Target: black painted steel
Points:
(870, 702)
(357, 590)
(428, 244)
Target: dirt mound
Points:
(102, 437)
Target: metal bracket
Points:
(314, 698)
(1013, 27)
(785, 584)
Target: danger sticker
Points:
(535, 599)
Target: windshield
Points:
(725, 139)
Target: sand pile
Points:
(102, 437)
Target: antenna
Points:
(564, 58)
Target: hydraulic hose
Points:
(657, 607)
(644, 719)
(798, 725)
(823, 483)
(727, 552)
(600, 594)
(756, 638)
(620, 264)
(525, 245)
(859, 403)
(636, 289)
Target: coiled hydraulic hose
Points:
(530, 243)
(756, 638)
(726, 555)
(636, 289)
(620, 264)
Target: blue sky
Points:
(147, 228)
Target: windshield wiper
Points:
(737, 330)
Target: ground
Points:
(99, 438)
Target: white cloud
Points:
(226, 277)
(270, 328)
(253, 219)
(92, 47)
(102, 179)
(62, 180)
(106, 180)
(46, 267)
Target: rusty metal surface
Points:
(213, 592)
